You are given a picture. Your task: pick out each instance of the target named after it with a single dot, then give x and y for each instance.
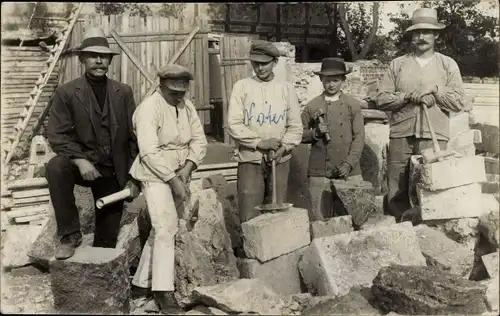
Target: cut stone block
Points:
(17, 242)
(491, 165)
(94, 280)
(444, 253)
(465, 231)
(490, 137)
(335, 265)
(422, 290)
(354, 303)
(458, 202)
(459, 123)
(451, 173)
(489, 222)
(281, 274)
(491, 185)
(271, 235)
(490, 261)
(492, 294)
(373, 161)
(331, 226)
(465, 143)
(358, 199)
(378, 220)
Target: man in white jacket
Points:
(263, 115)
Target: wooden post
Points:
(278, 23)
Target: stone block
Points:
(377, 220)
(491, 185)
(489, 222)
(458, 202)
(451, 173)
(422, 290)
(354, 303)
(17, 242)
(444, 253)
(94, 280)
(491, 165)
(373, 161)
(271, 235)
(465, 231)
(492, 294)
(358, 199)
(331, 226)
(281, 274)
(246, 296)
(334, 265)
(459, 123)
(465, 143)
(490, 139)
(490, 261)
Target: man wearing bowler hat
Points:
(421, 78)
(90, 130)
(334, 126)
(263, 116)
(172, 145)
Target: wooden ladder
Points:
(29, 106)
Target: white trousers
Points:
(156, 267)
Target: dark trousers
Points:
(255, 186)
(398, 169)
(62, 176)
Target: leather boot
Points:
(67, 245)
(167, 302)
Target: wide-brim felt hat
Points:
(95, 42)
(332, 67)
(425, 19)
(263, 51)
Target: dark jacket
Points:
(72, 126)
(347, 132)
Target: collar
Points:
(332, 98)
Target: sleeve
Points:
(243, 135)
(132, 139)
(198, 144)
(451, 96)
(60, 129)
(146, 122)
(358, 137)
(307, 124)
(388, 99)
(294, 129)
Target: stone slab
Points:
(459, 124)
(490, 138)
(491, 185)
(271, 235)
(335, 265)
(465, 143)
(377, 220)
(451, 173)
(458, 202)
(17, 242)
(444, 253)
(490, 261)
(332, 226)
(358, 198)
(354, 303)
(94, 280)
(281, 274)
(373, 161)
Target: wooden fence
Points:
(153, 40)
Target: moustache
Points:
(420, 42)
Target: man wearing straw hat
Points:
(423, 77)
(90, 130)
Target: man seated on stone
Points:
(338, 157)
(423, 77)
(263, 116)
(172, 145)
(89, 130)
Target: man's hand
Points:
(278, 153)
(417, 94)
(343, 170)
(321, 130)
(185, 172)
(428, 100)
(179, 189)
(134, 190)
(269, 144)
(87, 169)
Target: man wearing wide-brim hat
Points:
(89, 129)
(421, 78)
(172, 144)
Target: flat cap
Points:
(263, 51)
(174, 71)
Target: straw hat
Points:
(96, 42)
(426, 19)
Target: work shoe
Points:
(167, 303)
(67, 246)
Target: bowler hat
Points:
(263, 51)
(175, 76)
(425, 19)
(332, 67)
(96, 42)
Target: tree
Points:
(113, 8)
(469, 36)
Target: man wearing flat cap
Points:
(264, 120)
(172, 145)
(421, 78)
(89, 129)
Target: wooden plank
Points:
(27, 219)
(123, 59)
(30, 193)
(27, 211)
(227, 165)
(27, 184)
(32, 200)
